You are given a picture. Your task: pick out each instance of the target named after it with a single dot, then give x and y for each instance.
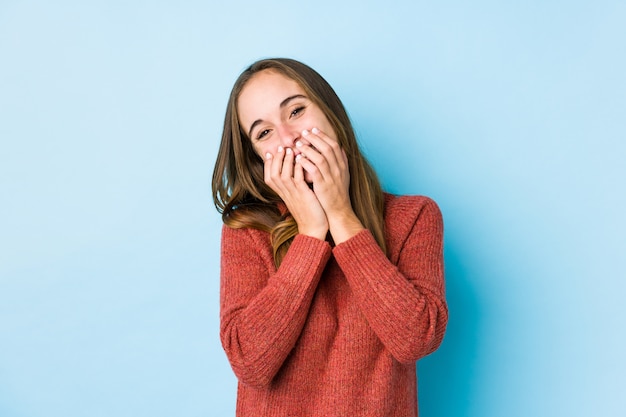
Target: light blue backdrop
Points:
(509, 114)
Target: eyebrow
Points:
(283, 104)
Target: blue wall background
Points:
(509, 114)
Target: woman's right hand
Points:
(287, 180)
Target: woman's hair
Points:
(239, 191)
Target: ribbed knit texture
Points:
(334, 331)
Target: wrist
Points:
(316, 232)
(343, 227)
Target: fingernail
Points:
(305, 132)
(289, 151)
(268, 156)
(298, 144)
(298, 158)
(280, 149)
(315, 130)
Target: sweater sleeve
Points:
(263, 310)
(404, 303)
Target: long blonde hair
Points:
(239, 191)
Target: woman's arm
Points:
(262, 311)
(404, 303)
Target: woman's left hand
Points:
(327, 165)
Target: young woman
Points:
(331, 289)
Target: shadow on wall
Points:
(446, 377)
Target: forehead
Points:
(262, 95)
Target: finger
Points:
(316, 135)
(298, 171)
(287, 168)
(267, 167)
(313, 158)
(311, 168)
(277, 162)
(344, 157)
(323, 145)
(314, 162)
(272, 169)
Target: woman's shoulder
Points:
(410, 215)
(408, 205)
(240, 235)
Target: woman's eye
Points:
(297, 111)
(263, 133)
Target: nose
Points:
(288, 135)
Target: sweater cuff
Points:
(306, 255)
(361, 246)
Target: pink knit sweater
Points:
(335, 331)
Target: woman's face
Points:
(274, 110)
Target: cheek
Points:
(324, 125)
(267, 145)
(260, 149)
